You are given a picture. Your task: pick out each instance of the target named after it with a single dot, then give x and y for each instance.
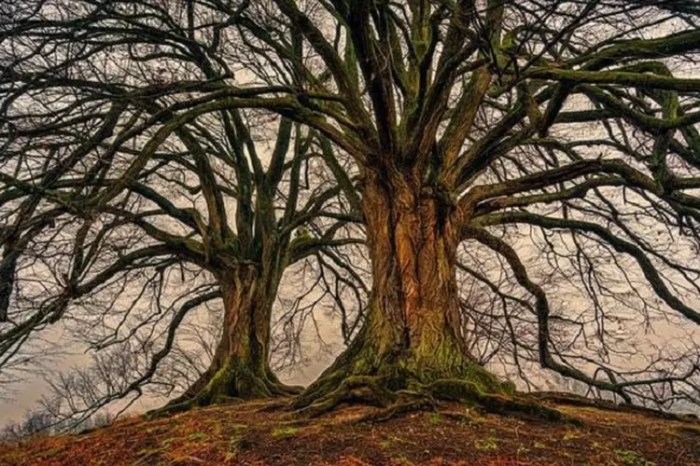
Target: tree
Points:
(459, 117)
(467, 123)
(114, 179)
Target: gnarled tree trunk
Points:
(411, 339)
(240, 368)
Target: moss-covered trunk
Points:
(412, 334)
(240, 367)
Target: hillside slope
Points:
(255, 434)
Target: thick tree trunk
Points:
(239, 368)
(411, 339)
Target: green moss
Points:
(237, 444)
(632, 458)
(486, 382)
(486, 444)
(402, 460)
(239, 379)
(284, 431)
(198, 437)
(409, 379)
(236, 380)
(509, 387)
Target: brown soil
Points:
(249, 434)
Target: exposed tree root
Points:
(406, 402)
(577, 400)
(186, 405)
(365, 389)
(230, 384)
(400, 380)
(374, 391)
(281, 404)
(499, 403)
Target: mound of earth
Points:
(258, 433)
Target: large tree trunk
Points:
(411, 339)
(240, 368)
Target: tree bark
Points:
(412, 338)
(240, 367)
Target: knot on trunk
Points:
(441, 198)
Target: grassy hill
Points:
(256, 433)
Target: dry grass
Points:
(244, 435)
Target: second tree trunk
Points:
(240, 368)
